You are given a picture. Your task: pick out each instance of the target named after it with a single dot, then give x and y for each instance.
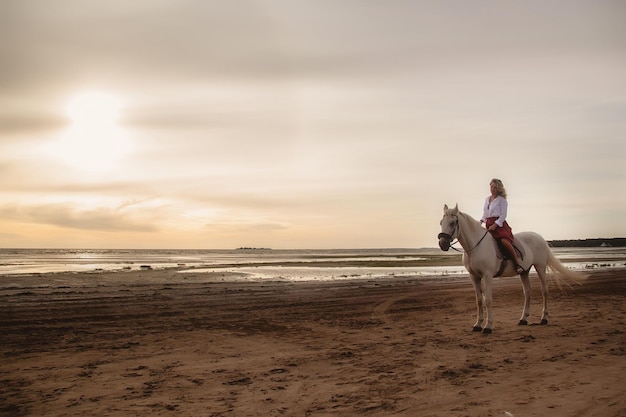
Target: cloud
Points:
(245, 228)
(162, 42)
(8, 236)
(67, 216)
(157, 39)
(18, 123)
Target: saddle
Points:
(502, 253)
(505, 257)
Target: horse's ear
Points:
(445, 208)
(456, 209)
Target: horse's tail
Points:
(562, 275)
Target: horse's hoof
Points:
(477, 329)
(523, 323)
(544, 322)
(487, 331)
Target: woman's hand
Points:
(493, 227)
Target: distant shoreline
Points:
(615, 242)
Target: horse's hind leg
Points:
(488, 303)
(476, 282)
(526, 312)
(541, 271)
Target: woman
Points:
(494, 217)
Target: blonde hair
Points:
(499, 187)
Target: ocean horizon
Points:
(265, 263)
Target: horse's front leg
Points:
(476, 282)
(526, 312)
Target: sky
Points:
(306, 124)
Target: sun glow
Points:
(94, 141)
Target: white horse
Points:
(481, 260)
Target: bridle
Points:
(449, 236)
(455, 231)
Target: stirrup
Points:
(519, 269)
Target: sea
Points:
(260, 264)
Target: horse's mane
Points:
(468, 220)
(456, 212)
(468, 217)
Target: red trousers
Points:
(503, 232)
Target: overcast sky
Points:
(306, 124)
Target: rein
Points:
(475, 246)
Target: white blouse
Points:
(496, 208)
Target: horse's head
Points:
(449, 227)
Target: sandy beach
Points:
(153, 343)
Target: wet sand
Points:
(153, 343)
